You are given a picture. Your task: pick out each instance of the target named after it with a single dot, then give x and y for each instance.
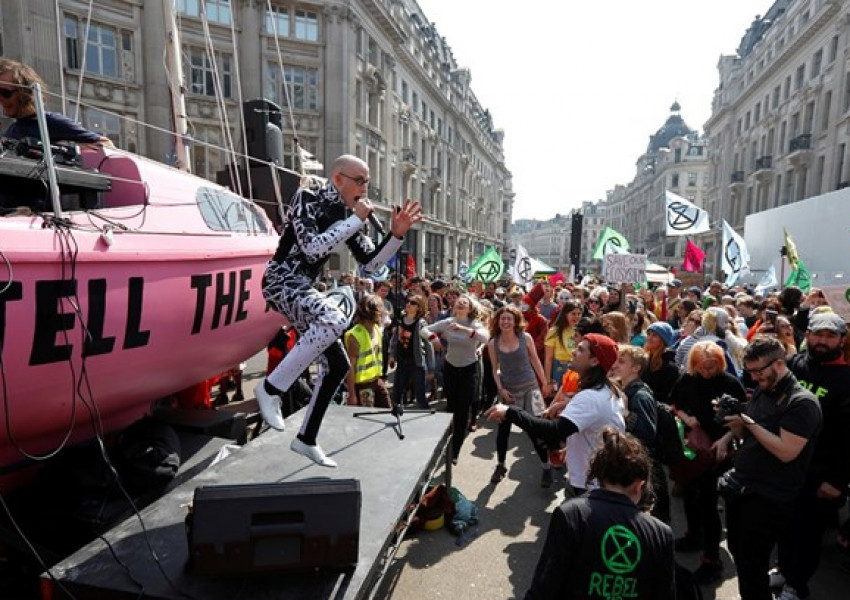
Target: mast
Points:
(174, 72)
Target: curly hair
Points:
(25, 76)
(519, 321)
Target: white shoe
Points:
(314, 453)
(788, 593)
(269, 407)
(776, 578)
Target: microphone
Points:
(373, 220)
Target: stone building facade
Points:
(367, 77)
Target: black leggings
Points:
(460, 385)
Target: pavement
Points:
(497, 558)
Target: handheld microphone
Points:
(373, 220)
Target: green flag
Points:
(609, 241)
(488, 267)
(800, 277)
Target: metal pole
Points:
(47, 153)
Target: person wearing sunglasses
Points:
(778, 428)
(17, 102)
(315, 223)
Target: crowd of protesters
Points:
(565, 362)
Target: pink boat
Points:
(147, 282)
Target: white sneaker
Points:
(788, 593)
(269, 407)
(314, 453)
(776, 578)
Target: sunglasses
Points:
(358, 180)
(412, 302)
(6, 93)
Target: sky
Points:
(578, 87)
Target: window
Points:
(306, 26)
(674, 180)
(202, 73)
(692, 178)
(825, 108)
(817, 60)
(786, 91)
(302, 85)
(775, 102)
(799, 77)
(833, 48)
(217, 11)
(277, 21)
(101, 48)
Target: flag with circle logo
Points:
(734, 257)
(489, 267)
(523, 267)
(610, 241)
(684, 217)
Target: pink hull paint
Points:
(169, 303)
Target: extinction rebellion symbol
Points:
(681, 217)
(732, 253)
(621, 550)
(524, 269)
(489, 271)
(612, 245)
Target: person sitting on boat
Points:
(316, 222)
(17, 102)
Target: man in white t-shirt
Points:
(597, 404)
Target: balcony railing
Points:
(764, 162)
(738, 177)
(801, 142)
(408, 155)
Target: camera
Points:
(726, 406)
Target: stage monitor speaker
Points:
(291, 526)
(575, 239)
(261, 117)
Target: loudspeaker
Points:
(256, 528)
(262, 118)
(575, 240)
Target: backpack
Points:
(668, 443)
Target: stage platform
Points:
(392, 472)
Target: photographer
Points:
(778, 429)
(824, 371)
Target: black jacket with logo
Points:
(602, 546)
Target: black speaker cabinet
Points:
(255, 528)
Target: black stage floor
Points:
(150, 562)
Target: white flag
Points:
(684, 217)
(523, 269)
(734, 257)
(768, 280)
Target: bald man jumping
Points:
(315, 223)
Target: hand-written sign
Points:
(625, 268)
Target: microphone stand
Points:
(398, 409)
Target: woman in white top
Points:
(464, 333)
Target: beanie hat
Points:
(534, 295)
(664, 331)
(603, 349)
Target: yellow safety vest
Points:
(369, 361)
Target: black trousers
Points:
(800, 547)
(460, 384)
(754, 524)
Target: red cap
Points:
(603, 349)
